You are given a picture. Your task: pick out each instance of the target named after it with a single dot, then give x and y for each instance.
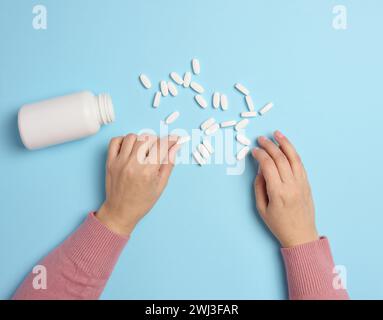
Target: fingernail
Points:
(262, 138)
(254, 151)
(279, 134)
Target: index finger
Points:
(159, 151)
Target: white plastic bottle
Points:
(63, 119)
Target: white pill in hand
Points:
(243, 153)
(201, 101)
(198, 158)
(208, 145)
(196, 66)
(197, 87)
(172, 89)
(216, 100)
(212, 129)
(203, 151)
(249, 103)
(243, 139)
(176, 78)
(241, 88)
(157, 99)
(266, 108)
(250, 114)
(173, 117)
(183, 140)
(227, 124)
(164, 88)
(145, 81)
(242, 124)
(187, 79)
(224, 102)
(206, 124)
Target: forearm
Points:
(80, 267)
(309, 270)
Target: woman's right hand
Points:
(283, 193)
(137, 171)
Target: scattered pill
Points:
(206, 124)
(176, 78)
(266, 108)
(216, 100)
(227, 124)
(172, 89)
(184, 139)
(197, 87)
(242, 124)
(198, 158)
(173, 117)
(145, 81)
(224, 102)
(164, 88)
(250, 114)
(243, 139)
(249, 103)
(157, 99)
(208, 145)
(243, 153)
(196, 66)
(212, 129)
(203, 151)
(241, 88)
(187, 79)
(201, 101)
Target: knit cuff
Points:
(94, 248)
(309, 269)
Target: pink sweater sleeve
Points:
(80, 267)
(309, 269)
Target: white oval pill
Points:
(266, 108)
(227, 124)
(184, 139)
(201, 101)
(196, 66)
(145, 81)
(212, 129)
(172, 89)
(157, 99)
(216, 100)
(243, 153)
(250, 114)
(242, 124)
(242, 89)
(206, 124)
(197, 87)
(208, 145)
(224, 102)
(173, 117)
(164, 88)
(249, 103)
(176, 78)
(203, 151)
(243, 139)
(198, 158)
(187, 79)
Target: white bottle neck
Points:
(105, 109)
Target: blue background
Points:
(204, 238)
